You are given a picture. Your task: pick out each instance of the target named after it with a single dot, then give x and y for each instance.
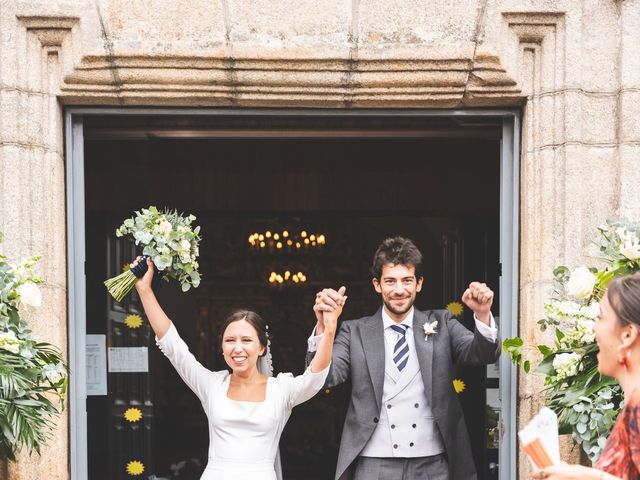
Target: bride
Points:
(246, 409)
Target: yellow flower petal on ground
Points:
(133, 321)
(135, 468)
(458, 385)
(456, 308)
(133, 415)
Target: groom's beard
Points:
(398, 309)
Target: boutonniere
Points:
(430, 329)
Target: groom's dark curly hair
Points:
(397, 251)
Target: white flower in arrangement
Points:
(30, 294)
(142, 236)
(566, 365)
(581, 283)
(163, 228)
(632, 252)
(9, 342)
(52, 372)
(590, 311)
(586, 327)
(430, 329)
(569, 308)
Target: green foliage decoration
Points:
(586, 402)
(33, 374)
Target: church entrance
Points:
(288, 204)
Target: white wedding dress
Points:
(243, 436)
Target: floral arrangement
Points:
(169, 240)
(586, 402)
(33, 375)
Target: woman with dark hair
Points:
(247, 409)
(618, 335)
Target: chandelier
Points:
(285, 241)
(283, 251)
(286, 278)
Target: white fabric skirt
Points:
(226, 470)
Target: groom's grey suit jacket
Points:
(359, 354)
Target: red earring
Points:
(624, 360)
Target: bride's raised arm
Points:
(159, 321)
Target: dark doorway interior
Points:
(442, 192)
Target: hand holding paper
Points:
(539, 439)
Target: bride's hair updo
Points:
(253, 319)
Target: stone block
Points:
(629, 115)
(270, 26)
(628, 49)
(415, 23)
(588, 117)
(629, 178)
(592, 47)
(163, 27)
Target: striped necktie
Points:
(401, 348)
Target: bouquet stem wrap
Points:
(121, 285)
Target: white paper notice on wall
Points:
(96, 365)
(128, 359)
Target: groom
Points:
(404, 420)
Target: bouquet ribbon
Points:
(142, 268)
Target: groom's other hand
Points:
(327, 300)
(479, 298)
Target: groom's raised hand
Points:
(327, 300)
(479, 298)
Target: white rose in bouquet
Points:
(581, 283)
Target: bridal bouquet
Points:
(169, 240)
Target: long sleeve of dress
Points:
(301, 388)
(196, 376)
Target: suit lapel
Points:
(424, 351)
(374, 348)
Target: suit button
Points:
(411, 444)
(393, 426)
(417, 405)
(375, 419)
(389, 406)
(395, 445)
(414, 425)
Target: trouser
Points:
(417, 468)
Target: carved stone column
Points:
(32, 182)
